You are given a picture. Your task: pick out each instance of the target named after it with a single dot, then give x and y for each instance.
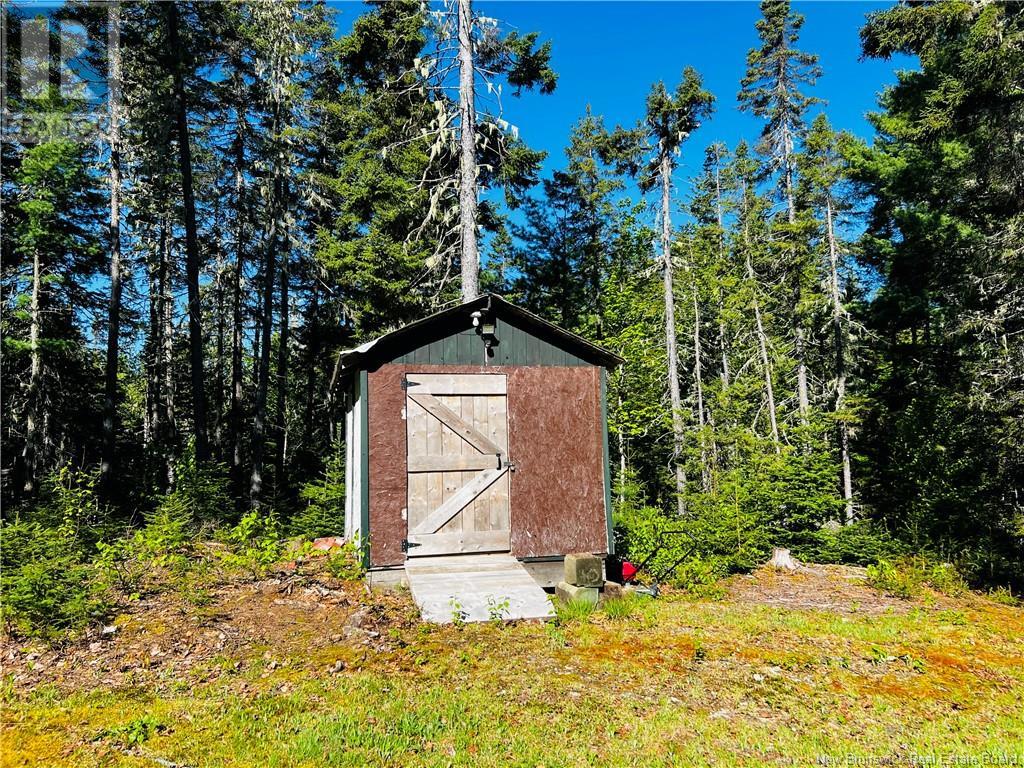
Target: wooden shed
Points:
(481, 428)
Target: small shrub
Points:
(945, 578)
(700, 577)
(1003, 596)
(725, 535)
(346, 564)
(955, 618)
(324, 513)
(497, 610)
(195, 584)
(201, 491)
(47, 587)
(133, 733)
(700, 653)
(860, 543)
(879, 656)
(906, 576)
(165, 539)
(889, 577)
(71, 503)
(254, 543)
(119, 568)
(459, 614)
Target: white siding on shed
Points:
(354, 470)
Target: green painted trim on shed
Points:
(515, 346)
(364, 465)
(607, 462)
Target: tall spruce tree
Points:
(771, 90)
(669, 121)
(945, 175)
(563, 261)
(822, 173)
(369, 174)
(55, 255)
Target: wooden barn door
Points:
(457, 428)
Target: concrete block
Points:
(570, 592)
(584, 570)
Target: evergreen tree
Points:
(368, 174)
(776, 71)
(564, 259)
(54, 254)
(946, 176)
(821, 181)
(669, 121)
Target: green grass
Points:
(655, 683)
(573, 611)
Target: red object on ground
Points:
(628, 571)
(327, 543)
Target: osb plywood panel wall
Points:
(554, 439)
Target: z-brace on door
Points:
(458, 464)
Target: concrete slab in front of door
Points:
(475, 587)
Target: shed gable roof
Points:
(455, 320)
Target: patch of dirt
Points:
(835, 588)
(310, 622)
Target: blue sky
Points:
(608, 54)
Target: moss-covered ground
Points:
(303, 675)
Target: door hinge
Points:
(407, 545)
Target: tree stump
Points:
(782, 560)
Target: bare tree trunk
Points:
(281, 417)
(154, 348)
(469, 258)
(218, 417)
(762, 339)
(30, 453)
(195, 318)
(839, 334)
(313, 352)
(237, 392)
(671, 342)
(114, 234)
(698, 374)
(799, 342)
(623, 466)
(276, 239)
(263, 365)
(167, 318)
(722, 345)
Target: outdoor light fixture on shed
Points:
(484, 324)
